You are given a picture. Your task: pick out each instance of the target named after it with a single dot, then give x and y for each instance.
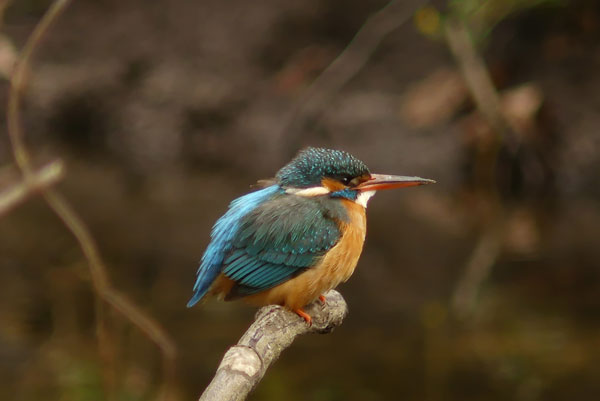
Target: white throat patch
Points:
(363, 198)
(312, 191)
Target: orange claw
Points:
(304, 316)
(322, 299)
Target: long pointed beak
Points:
(382, 181)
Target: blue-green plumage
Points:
(268, 236)
(312, 164)
(309, 222)
(223, 232)
(280, 239)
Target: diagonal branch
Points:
(17, 82)
(352, 59)
(18, 193)
(274, 329)
(478, 80)
(477, 269)
(69, 217)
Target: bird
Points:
(296, 238)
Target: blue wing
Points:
(278, 240)
(222, 234)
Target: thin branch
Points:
(478, 80)
(66, 213)
(348, 63)
(18, 193)
(17, 82)
(273, 330)
(100, 279)
(477, 269)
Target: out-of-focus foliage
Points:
(480, 15)
(428, 20)
(483, 15)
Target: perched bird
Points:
(298, 237)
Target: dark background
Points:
(165, 111)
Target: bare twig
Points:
(18, 193)
(348, 63)
(17, 81)
(100, 278)
(66, 213)
(478, 79)
(477, 269)
(274, 329)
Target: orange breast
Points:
(334, 268)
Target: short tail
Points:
(202, 286)
(200, 290)
(197, 297)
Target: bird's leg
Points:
(304, 316)
(322, 299)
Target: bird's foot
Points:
(304, 316)
(322, 299)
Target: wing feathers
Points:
(224, 230)
(277, 241)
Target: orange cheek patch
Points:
(332, 185)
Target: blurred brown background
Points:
(485, 286)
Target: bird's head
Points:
(318, 171)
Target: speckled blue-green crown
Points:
(310, 165)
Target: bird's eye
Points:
(351, 181)
(355, 181)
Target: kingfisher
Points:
(296, 238)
